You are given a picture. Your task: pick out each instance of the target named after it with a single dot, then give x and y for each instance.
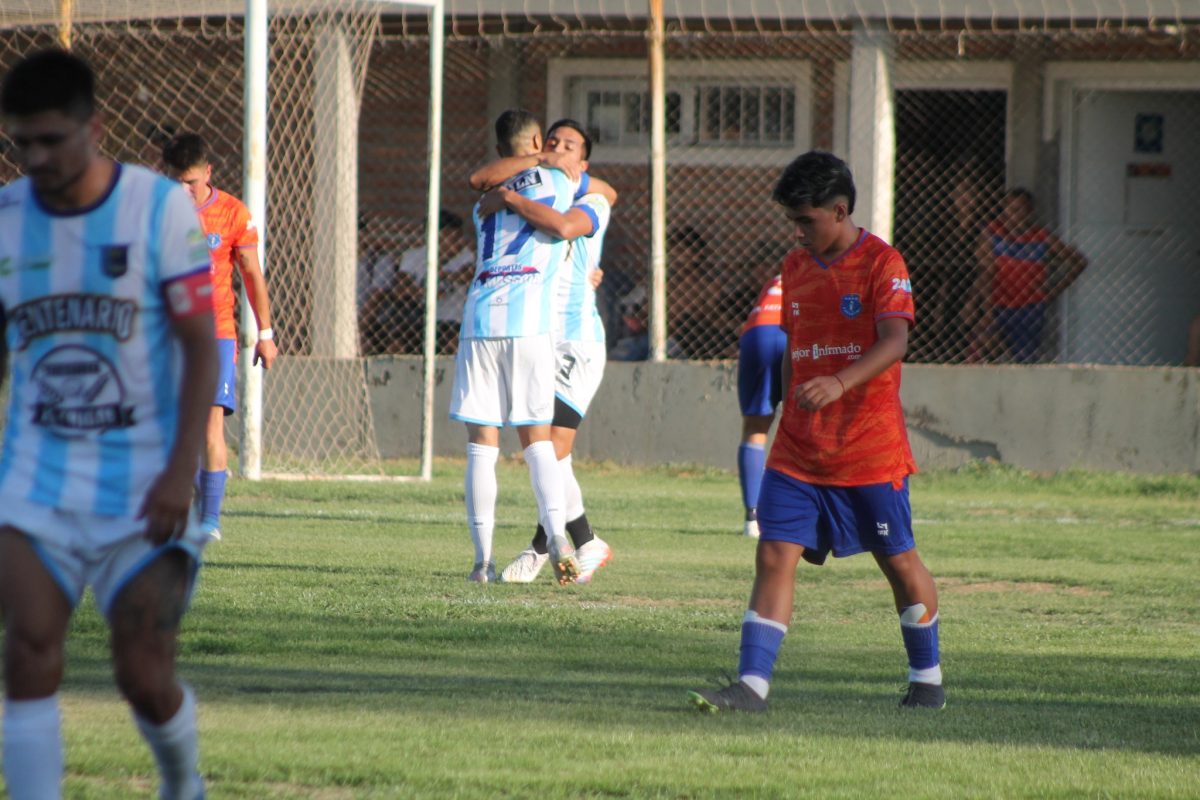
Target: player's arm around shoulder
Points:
(571, 224)
(497, 172)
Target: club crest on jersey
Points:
(214, 240)
(851, 305)
(79, 392)
(114, 259)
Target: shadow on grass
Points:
(482, 668)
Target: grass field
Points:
(338, 651)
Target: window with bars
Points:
(717, 111)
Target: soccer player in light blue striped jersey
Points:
(107, 303)
(580, 347)
(504, 369)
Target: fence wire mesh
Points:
(1094, 117)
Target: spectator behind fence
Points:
(1023, 269)
(1192, 359)
(392, 315)
(698, 313)
(942, 280)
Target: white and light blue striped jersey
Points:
(579, 319)
(95, 371)
(517, 266)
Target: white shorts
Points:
(580, 370)
(505, 381)
(80, 549)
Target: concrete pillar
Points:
(335, 196)
(873, 129)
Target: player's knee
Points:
(777, 558)
(33, 662)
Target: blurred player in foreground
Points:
(232, 239)
(579, 344)
(760, 358)
(837, 476)
(504, 368)
(108, 304)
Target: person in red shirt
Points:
(232, 240)
(761, 346)
(837, 476)
(1024, 268)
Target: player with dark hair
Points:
(232, 239)
(761, 348)
(579, 345)
(108, 309)
(504, 368)
(837, 476)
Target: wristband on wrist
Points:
(839, 380)
(266, 335)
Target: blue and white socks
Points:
(761, 639)
(920, 632)
(33, 749)
(212, 492)
(751, 461)
(176, 750)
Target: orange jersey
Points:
(1020, 278)
(830, 313)
(228, 228)
(767, 309)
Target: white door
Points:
(1133, 209)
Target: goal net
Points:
(165, 67)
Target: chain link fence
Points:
(1095, 118)
(1091, 118)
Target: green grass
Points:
(338, 651)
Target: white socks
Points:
(546, 476)
(33, 751)
(480, 487)
(176, 750)
(571, 491)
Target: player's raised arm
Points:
(497, 172)
(570, 225)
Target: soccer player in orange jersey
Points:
(232, 239)
(837, 475)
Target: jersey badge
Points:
(114, 259)
(851, 305)
(214, 241)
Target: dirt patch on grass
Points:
(963, 586)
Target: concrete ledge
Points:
(1046, 418)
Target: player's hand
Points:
(564, 162)
(596, 277)
(265, 352)
(492, 202)
(166, 506)
(816, 393)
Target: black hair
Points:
(1021, 193)
(815, 179)
(50, 80)
(567, 122)
(449, 220)
(510, 125)
(183, 151)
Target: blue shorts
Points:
(226, 375)
(1021, 329)
(844, 520)
(760, 361)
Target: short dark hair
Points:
(184, 151)
(567, 122)
(510, 125)
(815, 179)
(448, 219)
(50, 80)
(1019, 193)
